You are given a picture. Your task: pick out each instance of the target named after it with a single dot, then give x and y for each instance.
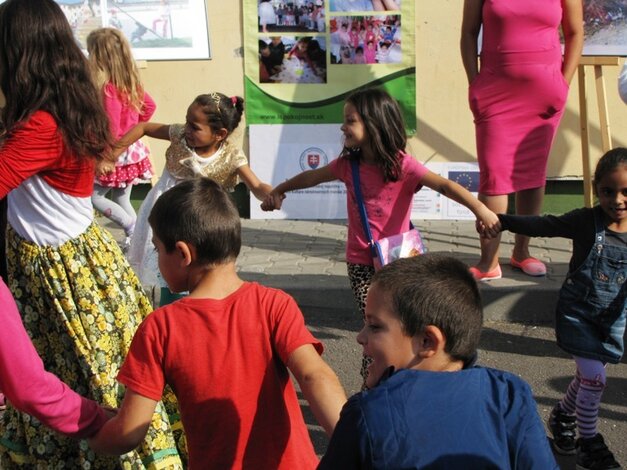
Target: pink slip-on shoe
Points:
(530, 266)
(495, 273)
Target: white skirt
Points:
(141, 254)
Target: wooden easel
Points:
(606, 138)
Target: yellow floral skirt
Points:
(81, 304)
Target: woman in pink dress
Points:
(517, 100)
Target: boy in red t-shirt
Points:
(225, 349)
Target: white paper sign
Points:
(279, 152)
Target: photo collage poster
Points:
(302, 59)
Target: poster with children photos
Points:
(157, 30)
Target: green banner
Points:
(302, 58)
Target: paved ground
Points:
(306, 258)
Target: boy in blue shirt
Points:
(428, 405)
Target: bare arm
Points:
(125, 431)
(256, 186)
(458, 193)
(151, 129)
(306, 179)
(471, 25)
(319, 384)
(572, 26)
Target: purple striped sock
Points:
(569, 402)
(588, 403)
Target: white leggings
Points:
(118, 208)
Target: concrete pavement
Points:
(306, 259)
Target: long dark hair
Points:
(385, 129)
(42, 68)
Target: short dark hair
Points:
(608, 163)
(436, 290)
(200, 212)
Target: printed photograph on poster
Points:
(365, 40)
(364, 5)
(605, 27)
(279, 152)
(157, 30)
(285, 59)
(294, 16)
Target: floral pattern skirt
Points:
(81, 304)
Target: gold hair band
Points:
(216, 99)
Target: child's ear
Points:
(222, 134)
(186, 252)
(431, 341)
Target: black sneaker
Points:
(593, 454)
(563, 427)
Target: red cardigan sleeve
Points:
(37, 147)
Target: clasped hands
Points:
(273, 201)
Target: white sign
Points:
(429, 204)
(279, 152)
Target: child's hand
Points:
(273, 201)
(488, 224)
(104, 167)
(109, 411)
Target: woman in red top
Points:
(79, 300)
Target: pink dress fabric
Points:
(519, 95)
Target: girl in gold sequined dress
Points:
(200, 147)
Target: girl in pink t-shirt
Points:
(374, 135)
(126, 104)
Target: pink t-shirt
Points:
(225, 360)
(31, 389)
(388, 205)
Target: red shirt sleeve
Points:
(142, 370)
(288, 326)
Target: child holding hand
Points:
(592, 306)
(374, 136)
(200, 147)
(126, 104)
(79, 299)
(428, 405)
(33, 390)
(226, 349)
